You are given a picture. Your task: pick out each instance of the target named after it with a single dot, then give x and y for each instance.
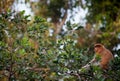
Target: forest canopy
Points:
(48, 46)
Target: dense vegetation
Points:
(29, 51)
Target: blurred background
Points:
(51, 40)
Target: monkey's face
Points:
(95, 49)
(98, 48)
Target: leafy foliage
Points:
(29, 52)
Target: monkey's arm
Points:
(93, 62)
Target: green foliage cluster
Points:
(28, 52)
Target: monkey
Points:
(105, 55)
(102, 57)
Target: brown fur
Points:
(105, 54)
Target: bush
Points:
(28, 52)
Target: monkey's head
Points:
(98, 48)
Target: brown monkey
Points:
(104, 54)
(102, 57)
